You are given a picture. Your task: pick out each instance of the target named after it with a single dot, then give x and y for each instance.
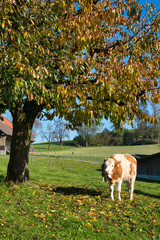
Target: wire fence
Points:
(92, 159)
(64, 162)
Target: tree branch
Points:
(122, 103)
(147, 28)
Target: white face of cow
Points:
(110, 164)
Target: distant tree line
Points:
(144, 134)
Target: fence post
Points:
(63, 165)
(70, 167)
(31, 160)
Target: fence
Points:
(92, 159)
(64, 162)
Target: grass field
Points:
(55, 146)
(67, 200)
(95, 154)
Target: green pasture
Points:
(93, 154)
(55, 146)
(110, 150)
(66, 199)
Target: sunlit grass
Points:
(67, 200)
(107, 151)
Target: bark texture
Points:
(23, 119)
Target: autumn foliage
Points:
(55, 52)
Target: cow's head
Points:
(111, 164)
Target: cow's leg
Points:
(131, 188)
(119, 184)
(112, 190)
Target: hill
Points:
(55, 146)
(69, 149)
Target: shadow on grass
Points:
(147, 180)
(139, 192)
(2, 178)
(99, 170)
(77, 191)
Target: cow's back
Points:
(129, 165)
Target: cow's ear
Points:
(117, 163)
(105, 159)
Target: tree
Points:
(116, 137)
(85, 132)
(36, 126)
(83, 136)
(61, 131)
(78, 60)
(129, 137)
(48, 134)
(156, 126)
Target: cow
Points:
(121, 168)
(104, 177)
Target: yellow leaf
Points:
(48, 107)
(157, 45)
(3, 25)
(93, 220)
(114, 59)
(88, 225)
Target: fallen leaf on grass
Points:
(100, 231)
(102, 212)
(88, 225)
(93, 220)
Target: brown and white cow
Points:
(121, 168)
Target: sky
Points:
(107, 123)
(155, 2)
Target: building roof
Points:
(147, 157)
(6, 126)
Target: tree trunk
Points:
(61, 143)
(86, 143)
(49, 145)
(23, 119)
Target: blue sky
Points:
(155, 2)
